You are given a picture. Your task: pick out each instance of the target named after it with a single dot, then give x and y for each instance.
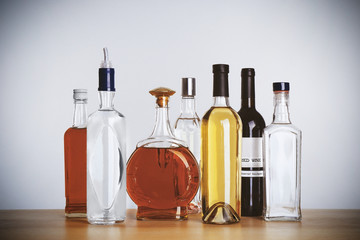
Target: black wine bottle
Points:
(252, 157)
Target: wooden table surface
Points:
(52, 224)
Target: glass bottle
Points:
(282, 148)
(75, 158)
(187, 128)
(106, 173)
(162, 173)
(221, 131)
(252, 157)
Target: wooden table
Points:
(52, 224)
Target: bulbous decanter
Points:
(162, 173)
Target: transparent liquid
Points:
(106, 170)
(188, 130)
(221, 132)
(282, 143)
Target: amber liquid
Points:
(162, 182)
(75, 172)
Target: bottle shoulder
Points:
(161, 142)
(106, 114)
(219, 113)
(276, 127)
(251, 116)
(187, 122)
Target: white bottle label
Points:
(252, 156)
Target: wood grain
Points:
(52, 224)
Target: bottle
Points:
(162, 173)
(252, 157)
(75, 158)
(221, 131)
(187, 128)
(106, 173)
(282, 148)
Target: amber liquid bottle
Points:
(252, 157)
(75, 159)
(162, 173)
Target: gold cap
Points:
(162, 94)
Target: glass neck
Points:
(188, 107)
(162, 125)
(80, 114)
(106, 100)
(281, 110)
(248, 103)
(247, 92)
(221, 101)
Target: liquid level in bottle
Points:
(220, 163)
(75, 172)
(162, 181)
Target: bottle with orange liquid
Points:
(75, 158)
(162, 173)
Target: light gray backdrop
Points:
(47, 48)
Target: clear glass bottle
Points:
(106, 172)
(282, 159)
(252, 157)
(187, 128)
(75, 158)
(162, 173)
(221, 131)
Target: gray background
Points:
(47, 48)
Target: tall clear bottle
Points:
(221, 131)
(75, 158)
(187, 128)
(106, 166)
(252, 157)
(162, 174)
(282, 159)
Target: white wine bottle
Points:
(221, 131)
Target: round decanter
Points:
(162, 173)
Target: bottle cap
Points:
(247, 72)
(162, 95)
(188, 87)
(221, 83)
(106, 74)
(220, 68)
(281, 86)
(80, 94)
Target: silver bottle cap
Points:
(188, 87)
(80, 94)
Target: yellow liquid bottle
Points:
(221, 131)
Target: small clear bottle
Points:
(282, 162)
(162, 173)
(187, 128)
(106, 166)
(75, 158)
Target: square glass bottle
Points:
(282, 162)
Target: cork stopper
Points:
(162, 95)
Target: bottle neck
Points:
(248, 92)
(80, 114)
(162, 124)
(188, 107)
(281, 110)
(221, 101)
(106, 100)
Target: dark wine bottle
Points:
(252, 157)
